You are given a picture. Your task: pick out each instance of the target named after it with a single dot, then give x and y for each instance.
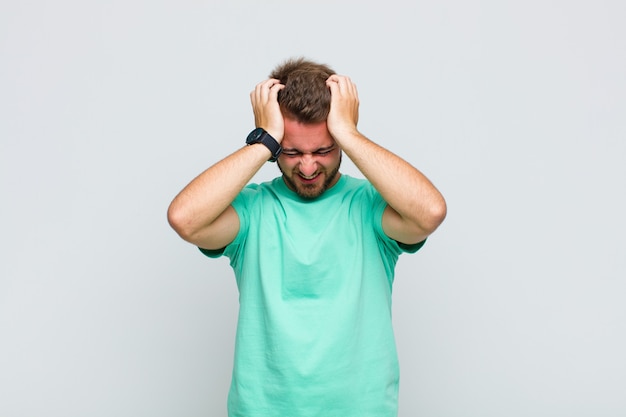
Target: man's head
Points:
(306, 97)
(311, 158)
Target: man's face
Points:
(310, 159)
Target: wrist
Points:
(345, 136)
(262, 137)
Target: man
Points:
(313, 251)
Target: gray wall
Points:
(514, 109)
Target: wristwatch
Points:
(260, 135)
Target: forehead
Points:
(306, 137)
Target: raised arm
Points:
(202, 213)
(415, 207)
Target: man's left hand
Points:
(344, 106)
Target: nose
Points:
(308, 165)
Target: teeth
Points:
(310, 177)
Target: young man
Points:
(313, 251)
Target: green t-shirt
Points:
(314, 336)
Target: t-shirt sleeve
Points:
(240, 204)
(379, 205)
(212, 253)
(411, 248)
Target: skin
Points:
(202, 213)
(310, 159)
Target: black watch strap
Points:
(260, 135)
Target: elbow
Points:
(435, 215)
(440, 212)
(179, 221)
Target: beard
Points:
(311, 191)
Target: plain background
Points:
(515, 110)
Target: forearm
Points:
(416, 207)
(401, 185)
(199, 213)
(206, 197)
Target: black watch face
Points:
(254, 136)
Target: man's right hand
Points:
(266, 109)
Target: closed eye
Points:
(319, 152)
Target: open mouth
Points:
(307, 179)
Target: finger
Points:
(269, 88)
(273, 91)
(256, 94)
(333, 85)
(344, 85)
(261, 90)
(353, 89)
(348, 87)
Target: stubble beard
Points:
(311, 191)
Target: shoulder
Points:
(268, 187)
(255, 194)
(361, 188)
(352, 184)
